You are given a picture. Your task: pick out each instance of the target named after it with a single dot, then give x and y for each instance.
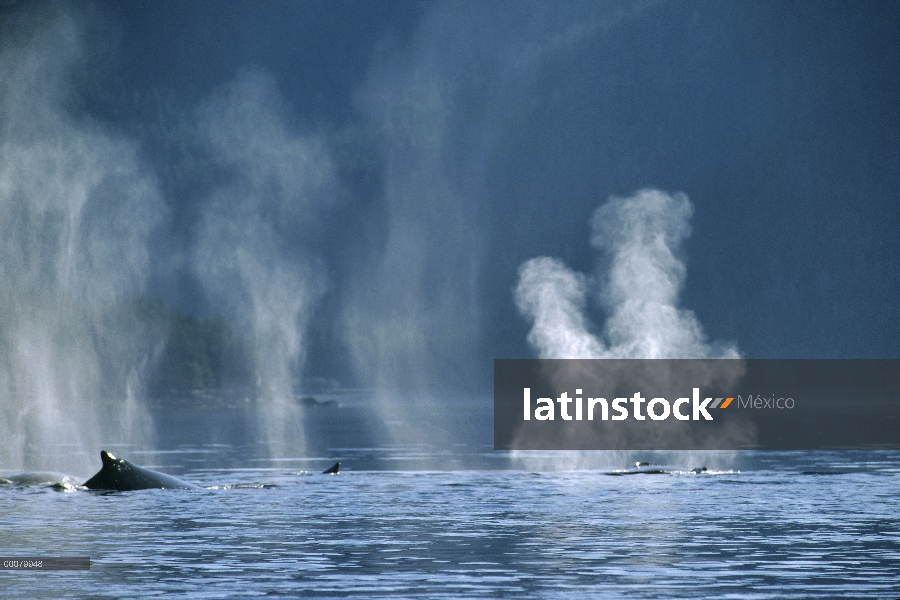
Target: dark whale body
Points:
(122, 476)
(645, 468)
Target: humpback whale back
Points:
(120, 475)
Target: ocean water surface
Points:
(490, 524)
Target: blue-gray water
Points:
(395, 524)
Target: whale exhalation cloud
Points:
(251, 253)
(77, 209)
(640, 238)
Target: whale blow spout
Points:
(120, 475)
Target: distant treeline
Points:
(198, 354)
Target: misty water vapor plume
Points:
(253, 253)
(440, 108)
(76, 211)
(640, 238)
(638, 280)
(79, 208)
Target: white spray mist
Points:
(76, 211)
(641, 238)
(250, 254)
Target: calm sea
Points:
(395, 524)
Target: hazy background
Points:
(271, 198)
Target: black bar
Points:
(45, 563)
